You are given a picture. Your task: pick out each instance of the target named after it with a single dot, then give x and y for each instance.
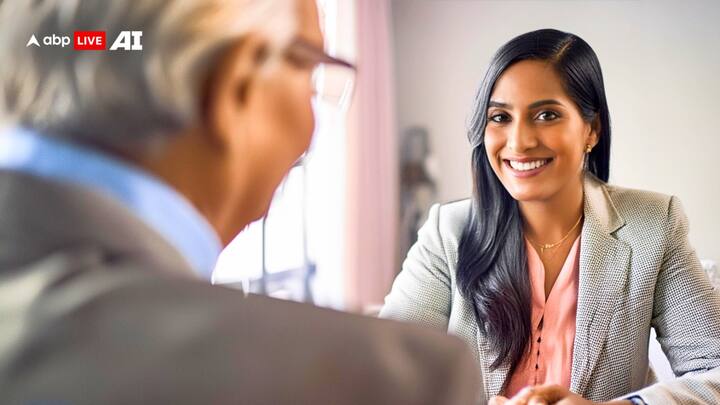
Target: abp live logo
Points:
(92, 41)
(89, 40)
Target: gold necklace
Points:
(544, 247)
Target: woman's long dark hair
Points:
(492, 264)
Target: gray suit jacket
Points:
(637, 271)
(96, 308)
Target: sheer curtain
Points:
(372, 175)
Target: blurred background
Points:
(343, 221)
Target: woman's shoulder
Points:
(644, 215)
(633, 202)
(450, 219)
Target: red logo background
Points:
(89, 41)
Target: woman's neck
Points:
(548, 221)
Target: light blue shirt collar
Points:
(156, 203)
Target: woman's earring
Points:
(588, 148)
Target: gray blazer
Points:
(96, 308)
(637, 271)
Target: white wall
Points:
(661, 62)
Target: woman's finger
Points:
(498, 400)
(550, 393)
(522, 397)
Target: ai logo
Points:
(128, 40)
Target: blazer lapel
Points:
(604, 261)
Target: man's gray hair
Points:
(123, 99)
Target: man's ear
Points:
(228, 86)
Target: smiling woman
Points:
(555, 276)
(520, 89)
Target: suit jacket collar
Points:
(46, 217)
(603, 275)
(599, 207)
(149, 198)
(604, 261)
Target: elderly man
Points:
(124, 172)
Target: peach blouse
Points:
(553, 325)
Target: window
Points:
(297, 251)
